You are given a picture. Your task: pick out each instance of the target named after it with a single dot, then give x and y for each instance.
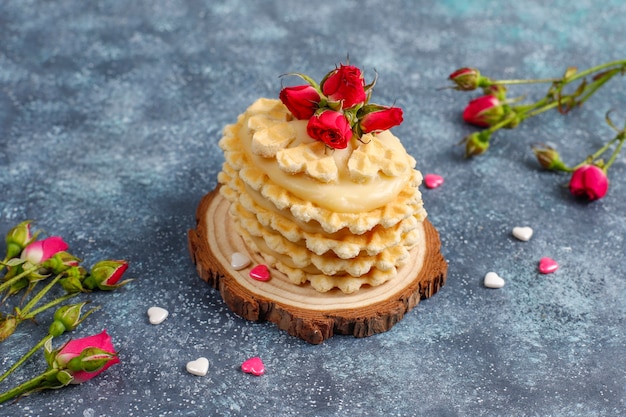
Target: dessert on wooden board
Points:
(317, 223)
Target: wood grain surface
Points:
(299, 309)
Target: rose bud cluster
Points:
(28, 262)
(493, 111)
(31, 261)
(338, 108)
(27, 268)
(38, 259)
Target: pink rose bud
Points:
(42, 250)
(330, 127)
(382, 119)
(467, 79)
(483, 111)
(85, 358)
(589, 181)
(345, 84)
(18, 238)
(105, 275)
(301, 100)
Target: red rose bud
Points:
(42, 250)
(345, 84)
(549, 158)
(18, 238)
(301, 100)
(589, 181)
(483, 111)
(330, 127)
(85, 358)
(383, 119)
(468, 79)
(105, 275)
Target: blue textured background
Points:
(110, 113)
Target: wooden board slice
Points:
(299, 309)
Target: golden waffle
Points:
(272, 174)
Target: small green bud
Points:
(477, 143)
(56, 328)
(71, 284)
(549, 158)
(69, 316)
(18, 238)
(61, 262)
(64, 377)
(90, 359)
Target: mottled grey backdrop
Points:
(110, 113)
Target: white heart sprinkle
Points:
(156, 315)
(198, 367)
(493, 280)
(239, 261)
(523, 233)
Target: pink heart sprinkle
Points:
(547, 265)
(433, 180)
(253, 366)
(260, 273)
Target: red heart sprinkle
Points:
(547, 265)
(253, 366)
(433, 180)
(260, 273)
